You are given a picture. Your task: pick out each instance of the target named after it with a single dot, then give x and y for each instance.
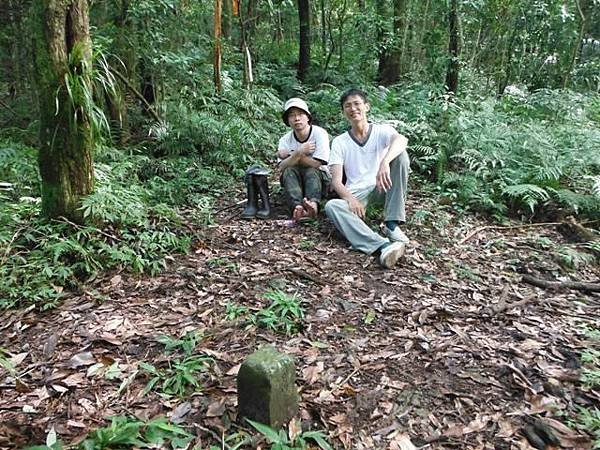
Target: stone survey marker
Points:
(266, 385)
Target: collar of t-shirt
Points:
(355, 139)
(307, 137)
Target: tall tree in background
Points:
(217, 45)
(304, 55)
(453, 48)
(62, 50)
(390, 67)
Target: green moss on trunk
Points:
(62, 60)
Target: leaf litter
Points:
(447, 350)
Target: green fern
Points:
(530, 195)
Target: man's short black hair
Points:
(350, 93)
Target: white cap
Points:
(295, 103)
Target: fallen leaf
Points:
(81, 359)
(178, 414)
(402, 442)
(216, 409)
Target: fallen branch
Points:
(501, 307)
(306, 276)
(137, 94)
(512, 227)
(558, 285)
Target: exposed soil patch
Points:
(431, 351)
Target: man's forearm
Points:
(397, 146)
(342, 191)
(290, 161)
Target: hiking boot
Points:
(390, 254)
(251, 205)
(262, 186)
(395, 235)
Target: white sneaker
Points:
(391, 254)
(396, 235)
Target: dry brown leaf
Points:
(402, 442)
(81, 360)
(216, 408)
(312, 374)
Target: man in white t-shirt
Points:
(374, 160)
(303, 153)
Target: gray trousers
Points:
(353, 228)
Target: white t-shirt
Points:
(361, 162)
(317, 135)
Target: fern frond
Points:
(528, 194)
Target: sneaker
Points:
(391, 254)
(395, 235)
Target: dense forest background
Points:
(127, 125)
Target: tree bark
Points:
(576, 45)
(390, 70)
(217, 45)
(453, 48)
(62, 55)
(304, 54)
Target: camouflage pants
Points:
(301, 181)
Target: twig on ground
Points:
(512, 227)
(501, 307)
(307, 276)
(557, 285)
(220, 210)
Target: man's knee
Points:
(402, 161)
(334, 205)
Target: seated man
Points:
(374, 160)
(303, 154)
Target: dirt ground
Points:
(451, 349)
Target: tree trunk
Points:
(62, 55)
(304, 56)
(390, 71)
(576, 46)
(381, 45)
(226, 19)
(453, 48)
(217, 45)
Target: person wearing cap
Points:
(374, 160)
(303, 153)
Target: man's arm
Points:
(299, 157)
(397, 145)
(356, 207)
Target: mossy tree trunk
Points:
(62, 54)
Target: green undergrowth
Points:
(533, 155)
(588, 418)
(134, 222)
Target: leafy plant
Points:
(283, 315)
(178, 377)
(234, 311)
(280, 440)
(186, 344)
(128, 432)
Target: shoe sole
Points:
(393, 257)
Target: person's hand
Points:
(356, 207)
(283, 153)
(384, 180)
(307, 148)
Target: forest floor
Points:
(448, 350)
